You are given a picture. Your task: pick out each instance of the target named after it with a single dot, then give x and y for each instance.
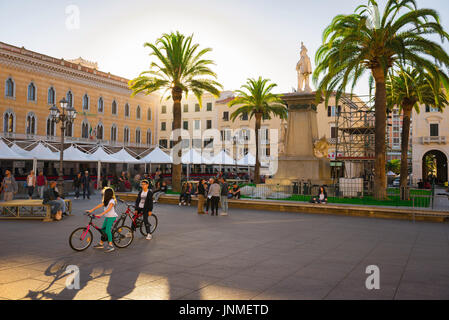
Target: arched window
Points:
(85, 129)
(51, 127)
(99, 131)
(10, 89)
(114, 132)
(86, 102)
(100, 105)
(126, 110)
(138, 113)
(69, 98)
(138, 135)
(149, 114)
(126, 135)
(31, 92)
(149, 137)
(31, 123)
(69, 130)
(114, 107)
(51, 96)
(9, 121)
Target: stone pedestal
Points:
(298, 161)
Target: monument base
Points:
(294, 169)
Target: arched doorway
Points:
(434, 163)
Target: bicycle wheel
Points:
(122, 237)
(153, 225)
(80, 239)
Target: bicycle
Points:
(137, 219)
(81, 238)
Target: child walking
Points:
(110, 216)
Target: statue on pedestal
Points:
(304, 69)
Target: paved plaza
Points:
(247, 255)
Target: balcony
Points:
(434, 140)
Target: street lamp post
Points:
(66, 117)
(234, 143)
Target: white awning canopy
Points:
(24, 153)
(223, 158)
(41, 152)
(247, 160)
(192, 157)
(7, 153)
(124, 156)
(102, 156)
(75, 155)
(157, 156)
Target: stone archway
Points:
(435, 163)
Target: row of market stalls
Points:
(41, 151)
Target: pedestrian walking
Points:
(201, 193)
(9, 186)
(77, 185)
(31, 184)
(85, 181)
(224, 197)
(214, 195)
(41, 182)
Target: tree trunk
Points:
(177, 168)
(404, 146)
(257, 167)
(380, 105)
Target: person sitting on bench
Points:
(321, 197)
(235, 191)
(57, 204)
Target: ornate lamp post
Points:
(66, 116)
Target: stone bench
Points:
(29, 209)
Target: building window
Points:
(31, 92)
(10, 88)
(333, 132)
(333, 111)
(208, 124)
(163, 143)
(197, 124)
(69, 98)
(126, 135)
(31, 123)
(114, 133)
(100, 105)
(149, 137)
(86, 102)
(186, 108)
(51, 96)
(51, 127)
(197, 107)
(244, 116)
(69, 129)
(431, 109)
(9, 122)
(209, 106)
(149, 114)
(126, 110)
(185, 125)
(164, 109)
(434, 130)
(226, 116)
(114, 107)
(99, 131)
(163, 126)
(267, 151)
(196, 143)
(138, 113)
(85, 130)
(138, 135)
(209, 143)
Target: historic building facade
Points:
(30, 83)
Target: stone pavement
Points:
(247, 255)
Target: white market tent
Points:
(41, 152)
(223, 159)
(75, 155)
(24, 153)
(192, 157)
(157, 156)
(247, 160)
(124, 156)
(102, 156)
(7, 153)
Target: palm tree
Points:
(368, 41)
(181, 69)
(258, 102)
(408, 88)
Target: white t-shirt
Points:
(112, 213)
(30, 181)
(322, 196)
(143, 198)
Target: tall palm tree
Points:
(181, 68)
(369, 41)
(260, 103)
(408, 88)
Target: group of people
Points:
(212, 193)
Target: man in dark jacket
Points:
(85, 181)
(77, 185)
(57, 204)
(144, 206)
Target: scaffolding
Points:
(354, 148)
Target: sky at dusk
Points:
(248, 37)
